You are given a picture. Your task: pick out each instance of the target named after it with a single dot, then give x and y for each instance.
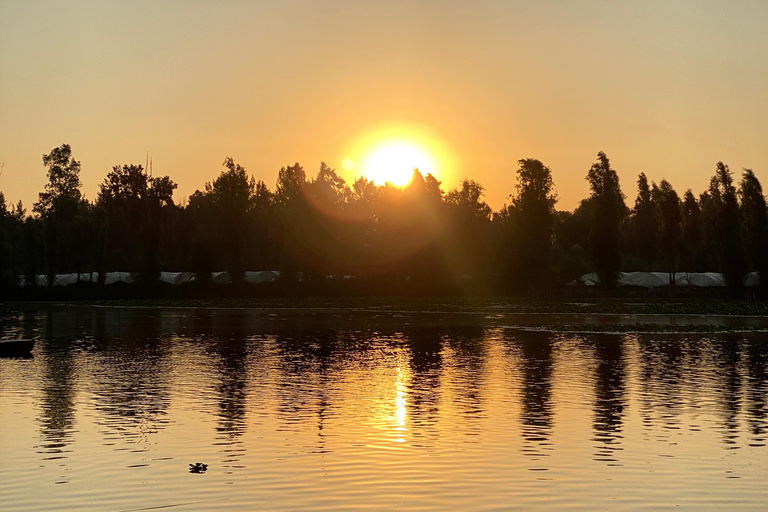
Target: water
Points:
(332, 411)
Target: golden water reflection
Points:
(400, 403)
(348, 411)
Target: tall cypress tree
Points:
(728, 236)
(534, 205)
(691, 232)
(646, 223)
(671, 217)
(609, 209)
(755, 224)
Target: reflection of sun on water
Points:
(400, 404)
(389, 418)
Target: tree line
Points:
(320, 226)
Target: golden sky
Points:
(663, 87)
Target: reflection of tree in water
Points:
(686, 371)
(468, 361)
(231, 355)
(19, 325)
(131, 387)
(609, 394)
(58, 400)
(312, 355)
(757, 388)
(307, 359)
(425, 346)
(663, 380)
(728, 353)
(229, 348)
(536, 415)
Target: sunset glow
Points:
(494, 94)
(394, 162)
(357, 254)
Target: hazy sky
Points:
(667, 87)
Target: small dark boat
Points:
(16, 348)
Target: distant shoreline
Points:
(578, 316)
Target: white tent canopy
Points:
(661, 279)
(172, 278)
(635, 279)
(643, 279)
(89, 277)
(220, 278)
(262, 276)
(590, 279)
(40, 280)
(176, 278)
(64, 279)
(706, 279)
(752, 279)
(119, 277)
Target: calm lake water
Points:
(352, 410)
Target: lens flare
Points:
(348, 164)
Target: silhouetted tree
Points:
(730, 250)
(58, 205)
(204, 236)
(571, 235)
(363, 214)
(86, 238)
(6, 247)
(671, 217)
(469, 197)
(419, 228)
(63, 187)
(290, 183)
(755, 223)
(11, 242)
(691, 227)
(397, 239)
(327, 195)
(469, 219)
(231, 198)
(646, 223)
(709, 257)
(532, 219)
(132, 205)
(609, 210)
(34, 249)
(261, 252)
(292, 213)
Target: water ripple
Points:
(348, 412)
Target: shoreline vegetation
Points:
(369, 239)
(575, 316)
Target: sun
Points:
(394, 161)
(389, 151)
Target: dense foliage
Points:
(320, 226)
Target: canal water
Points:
(295, 410)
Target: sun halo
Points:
(394, 162)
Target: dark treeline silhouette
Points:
(418, 238)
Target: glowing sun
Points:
(394, 162)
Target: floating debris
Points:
(198, 467)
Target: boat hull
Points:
(16, 348)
